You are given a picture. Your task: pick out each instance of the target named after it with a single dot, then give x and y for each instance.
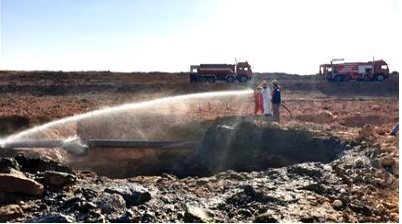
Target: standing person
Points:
(258, 101)
(266, 98)
(276, 100)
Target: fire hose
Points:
(75, 146)
(284, 106)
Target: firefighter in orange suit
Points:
(259, 107)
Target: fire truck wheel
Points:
(366, 78)
(338, 78)
(203, 79)
(243, 78)
(380, 78)
(211, 79)
(230, 79)
(193, 79)
(347, 78)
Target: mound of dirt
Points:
(239, 144)
(322, 117)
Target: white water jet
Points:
(34, 130)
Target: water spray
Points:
(74, 145)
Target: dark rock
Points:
(127, 217)
(58, 179)
(50, 201)
(8, 163)
(72, 203)
(315, 187)
(110, 202)
(180, 215)
(148, 216)
(7, 198)
(257, 195)
(43, 207)
(309, 219)
(85, 206)
(345, 179)
(12, 183)
(169, 176)
(95, 217)
(306, 169)
(248, 195)
(34, 165)
(133, 193)
(376, 163)
(245, 212)
(379, 209)
(201, 182)
(265, 218)
(359, 163)
(169, 207)
(362, 209)
(166, 199)
(339, 170)
(53, 218)
(89, 193)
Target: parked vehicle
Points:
(227, 72)
(367, 71)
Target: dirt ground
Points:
(366, 110)
(45, 96)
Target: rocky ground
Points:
(354, 179)
(360, 185)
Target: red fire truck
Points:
(372, 70)
(227, 72)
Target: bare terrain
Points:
(331, 160)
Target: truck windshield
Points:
(193, 69)
(384, 66)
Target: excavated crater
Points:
(235, 143)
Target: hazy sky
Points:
(292, 36)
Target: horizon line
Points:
(131, 72)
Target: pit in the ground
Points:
(235, 143)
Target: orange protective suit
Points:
(258, 103)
